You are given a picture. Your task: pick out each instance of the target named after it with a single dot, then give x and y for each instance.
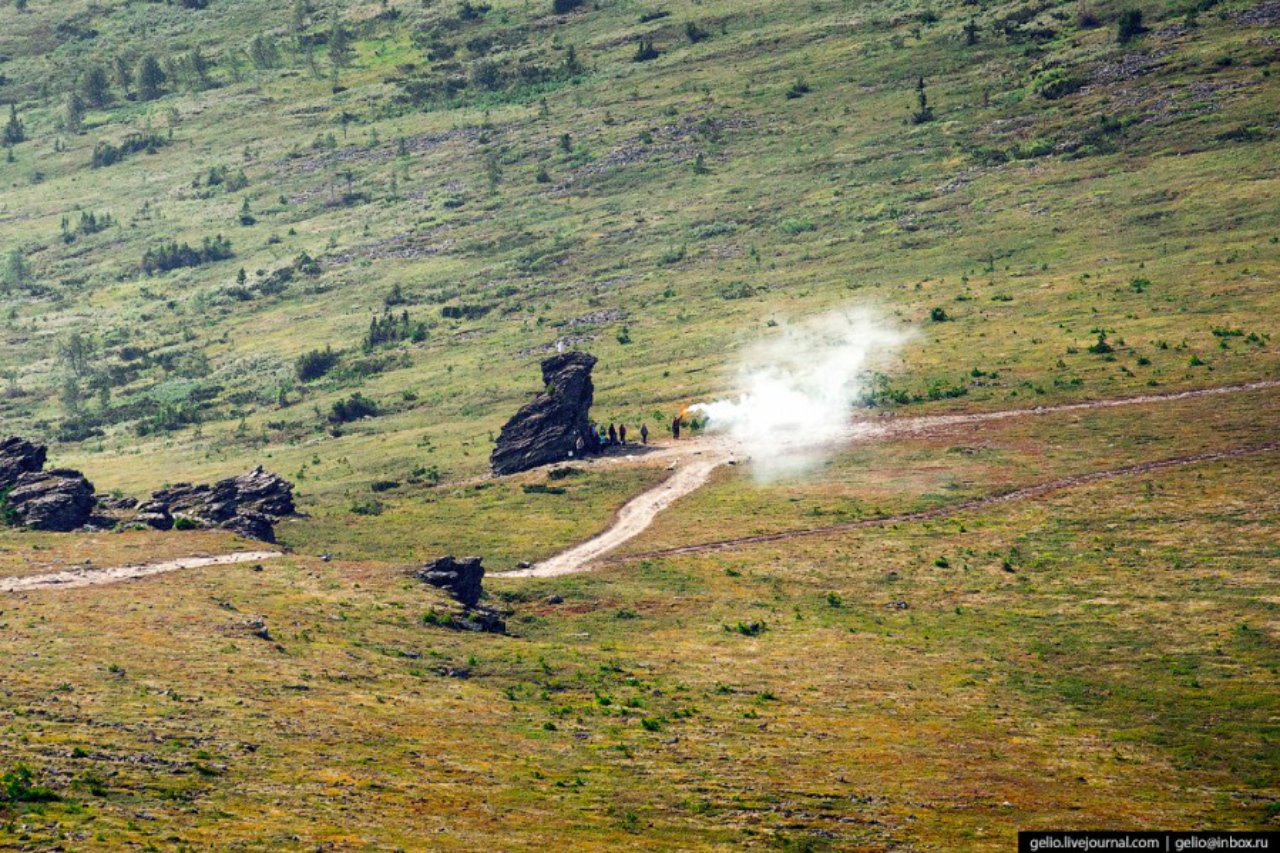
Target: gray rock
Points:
(109, 503)
(460, 578)
(551, 427)
(17, 457)
(248, 505)
(58, 500)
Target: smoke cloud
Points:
(798, 390)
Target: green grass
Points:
(1101, 657)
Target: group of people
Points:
(614, 436)
(599, 436)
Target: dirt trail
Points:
(925, 423)
(639, 513)
(951, 509)
(93, 577)
(633, 518)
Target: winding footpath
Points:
(629, 521)
(639, 513)
(92, 577)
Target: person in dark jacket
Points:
(613, 435)
(622, 434)
(675, 427)
(644, 433)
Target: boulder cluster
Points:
(58, 500)
(63, 500)
(554, 426)
(461, 578)
(250, 505)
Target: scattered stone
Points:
(106, 502)
(524, 564)
(155, 516)
(326, 557)
(555, 599)
(258, 627)
(482, 619)
(551, 426)
(248, 505)
(897, 605)
(460, 578)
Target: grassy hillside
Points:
(696, 197)
(415, 202)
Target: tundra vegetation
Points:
(337, 238)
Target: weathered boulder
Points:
(460, 578)
(57, 500)
(17, 457)
(554, 425)
(249, 504)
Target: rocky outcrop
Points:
(462, 580)
(17, 457)
(554, 425)
(57, 500)
(250, 505)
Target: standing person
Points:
(622, 434)
(644, 433)
(603, 438)
(613, 435)
(675, 427)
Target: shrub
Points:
(312, 365)
(695, 33)
(792, 227)
(465, 312)
(1101, 346)
(18, 786)
(105, 154)
(737, 290)
(369, 507)
(645, 51)
(939, 315)
(798, 89)
(353, 408)
(173, 255)
(390, 328)
(1129, 26)
(542, 489)
(1058, 84)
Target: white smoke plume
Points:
(799, 388)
